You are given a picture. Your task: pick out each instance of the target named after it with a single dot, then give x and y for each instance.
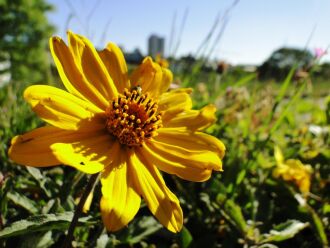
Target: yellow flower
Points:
(292, 170)
(126, 127)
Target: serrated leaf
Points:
(284, 231)
(40, 223)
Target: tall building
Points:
(156, 45)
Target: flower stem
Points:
(89, 187)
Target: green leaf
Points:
(234, 213)
(267, 246)
(40, 223)
(35, 172)
(102, 241)
(144, 227)
(185, 238)
(284, 231)
(326, 208)
(281, 94)
(319, 227)
(204, 197)
(240, 176)
(285, 85)
(286, 108)
(38, 240)
(107, 241)
(245, 80)
(23, 201)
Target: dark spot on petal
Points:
(27, 140)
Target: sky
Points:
(252, 29)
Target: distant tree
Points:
(187, 62)
(278, 65)
(24, 33)
(323, 71)
(134, 57)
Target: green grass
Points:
(242, 206)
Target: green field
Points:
(244, 205)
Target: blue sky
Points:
(254, 28)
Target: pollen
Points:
(132, 118)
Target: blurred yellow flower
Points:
(87, 203)
(162, 61)
(292, 170)
(126, 127)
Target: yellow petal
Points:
(146, 75)
(89, 154)
(196, 141)
(90, 64)
(179, 90)
(161, 61)
(187, 171)
(160, 200)
(304, 185)
(173, 103)
(194, 119)
(166, 81)
(88, 202)
(115, 63)
(73, 79)
(120, 202)
(61, 109)
(88, 151)
(278, 155)
(151, 77)
(185, 153)
(33, 148)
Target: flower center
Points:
(133, 117)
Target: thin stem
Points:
(89, 187)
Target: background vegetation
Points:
(245, 206)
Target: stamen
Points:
(132, 118)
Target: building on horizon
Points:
(156, 45)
